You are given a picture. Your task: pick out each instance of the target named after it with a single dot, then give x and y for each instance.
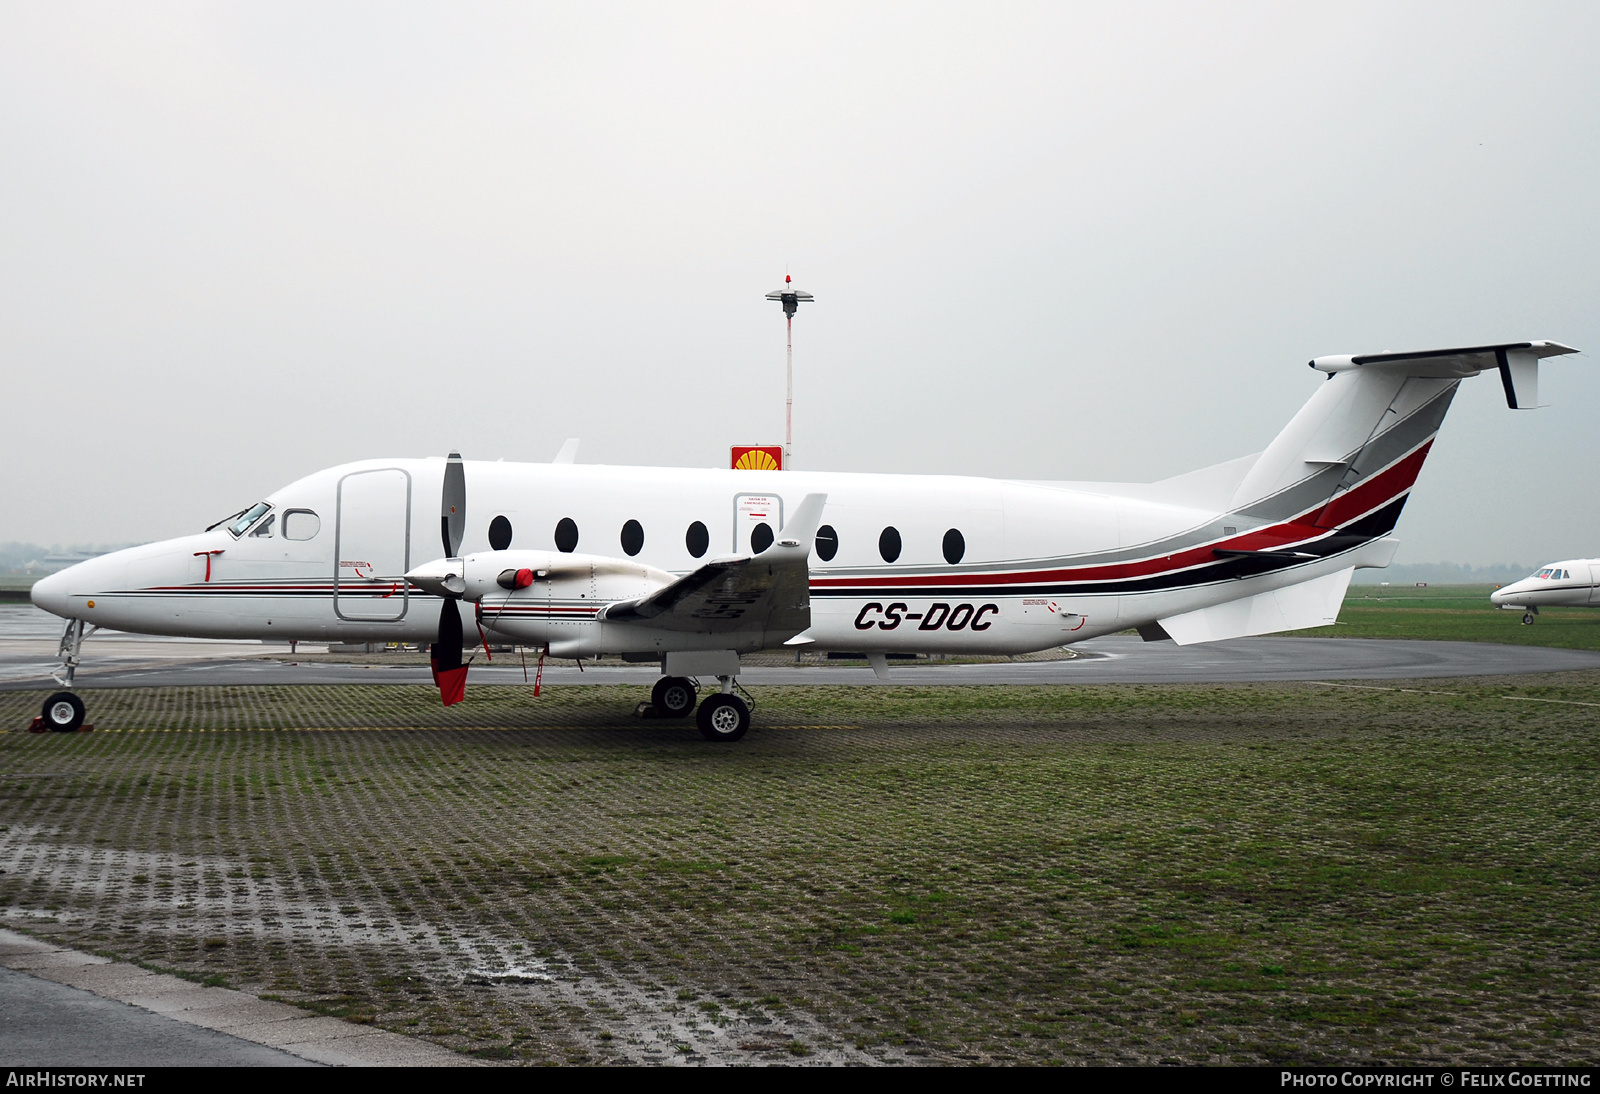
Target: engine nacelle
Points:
(524, 578)
(514, 577)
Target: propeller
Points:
(453, 506)
(448, 671)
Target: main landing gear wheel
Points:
(1527, 619)
(673, 697)
(723, 718)
(63, 712)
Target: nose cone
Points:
(444, 577)
(50, 593)
(1507, 594)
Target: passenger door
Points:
(372, 545)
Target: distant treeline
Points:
(1444, 573)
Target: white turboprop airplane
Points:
(1573, 583)
(691, 568)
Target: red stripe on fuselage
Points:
(1312, 524)
(1374, 492)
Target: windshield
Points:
(247, 518)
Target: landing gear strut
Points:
(723, 716)
(71, 642)
(673, 697)
(64, 712)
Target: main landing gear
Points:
(722, 716)
(673, 697)
(64, 712)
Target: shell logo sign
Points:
(759, 457)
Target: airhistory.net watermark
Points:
(43, 1077)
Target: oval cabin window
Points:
(567, 535)
(889, 544)
(697, 539)
(827, 543)
(499, 534)
(760, 538)
(632, 537)
(955, 546)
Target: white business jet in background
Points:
(1574, 583)
(691, 568)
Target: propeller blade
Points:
(448, 671)
(453, 505)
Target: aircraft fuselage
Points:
(905, 563)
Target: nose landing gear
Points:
(64, 712)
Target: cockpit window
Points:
(1543, 573)
(300, 524)
(264, 529)
(247, 518)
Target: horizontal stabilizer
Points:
(1517, 363)
(1313, 603)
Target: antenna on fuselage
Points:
(791, 298)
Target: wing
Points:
(768, 592)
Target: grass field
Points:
(1253, 873)
(1456, 613)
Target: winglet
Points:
(568, 453)
(802, 525)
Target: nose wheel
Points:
(1527, 619)
(673, 697)
(63, 712)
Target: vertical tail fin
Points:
(1355, 449)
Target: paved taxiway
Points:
(50, 995)
(27, 647)
(42, 1024)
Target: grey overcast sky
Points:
(239, 243)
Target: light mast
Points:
(791, 298)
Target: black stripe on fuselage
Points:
(1378, 523)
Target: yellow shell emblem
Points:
(757, 459)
